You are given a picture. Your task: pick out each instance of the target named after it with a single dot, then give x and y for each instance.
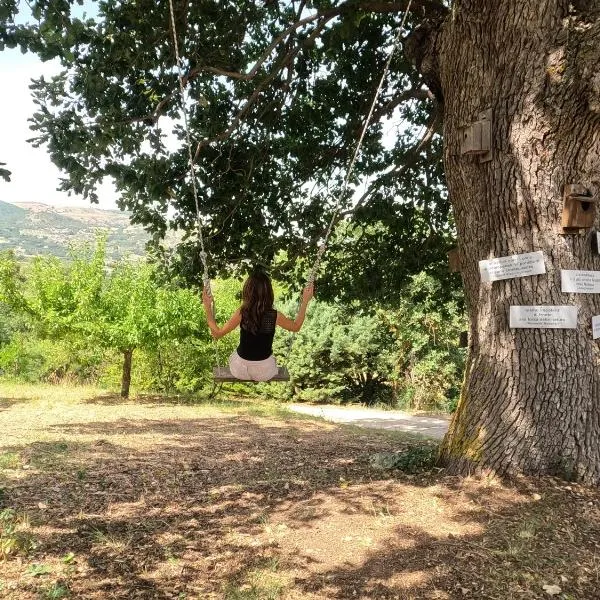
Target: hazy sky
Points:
(34, 177)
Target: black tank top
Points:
(259, 345)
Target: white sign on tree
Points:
(596, 327)
(516, 265)
(543, 317)
(580, 282)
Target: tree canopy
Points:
(277, 95)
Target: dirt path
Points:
(433, 427)
(154, 500)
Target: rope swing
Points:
(342, 194)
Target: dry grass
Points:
(236, 501)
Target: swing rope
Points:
(342, 194)
(203, 255)
(323, 247)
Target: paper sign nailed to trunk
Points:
(516, 265)
(596, 327)
(580, 282)
(543, 317)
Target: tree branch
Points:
(410, 159)
(431, 6)
(286, 60)
(413, 94)
(327, 14)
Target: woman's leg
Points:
(238, 367)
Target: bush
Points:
(341, 355)
(429, 363)
(30, 359)
(15, 534)
(416, 459)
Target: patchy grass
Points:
(9, 460)
(161, 498)
(15, 534)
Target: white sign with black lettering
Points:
(580, 282)
(516, 265)
(596, 327)
(543, 317)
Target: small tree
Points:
(122, 309)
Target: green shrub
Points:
(15, 537)
(417, 459)
(341, 355)
(429, 363)
(30, 359)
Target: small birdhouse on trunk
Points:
(476, 138)
(579, 208)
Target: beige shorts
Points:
(254, 370)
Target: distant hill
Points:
(31, 229)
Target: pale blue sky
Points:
(34, 177)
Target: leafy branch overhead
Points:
(4, 173)
(277, 95)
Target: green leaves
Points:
(276, 101)
(341, 354)
(118, 308)
(4, 173)
(406, 353)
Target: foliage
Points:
(341, 354)
(429, 362)
(275, 123)
(90, 309)
(11, 279)
(418, 458)
(82, 316)
(10, 460)
(4, 173)
(37, 570)
(407, 354)
(15, 537)
(31, 359)
(56, 591)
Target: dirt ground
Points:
(151, 499)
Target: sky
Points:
(34, 176)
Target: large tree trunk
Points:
(531, 397)
(126, 376)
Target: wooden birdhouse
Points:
(476, 138)
(579, 208)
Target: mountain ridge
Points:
(33, 229)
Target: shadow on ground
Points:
(244, 508)
(6, 403)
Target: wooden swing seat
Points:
(223, 375)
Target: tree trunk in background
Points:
(531, 397)
(126, 377)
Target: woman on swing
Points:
(253, 360)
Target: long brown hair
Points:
(257, 298)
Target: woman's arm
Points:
(216, 331)
(296, 324)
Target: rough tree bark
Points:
(531, 397)
(126, 376)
